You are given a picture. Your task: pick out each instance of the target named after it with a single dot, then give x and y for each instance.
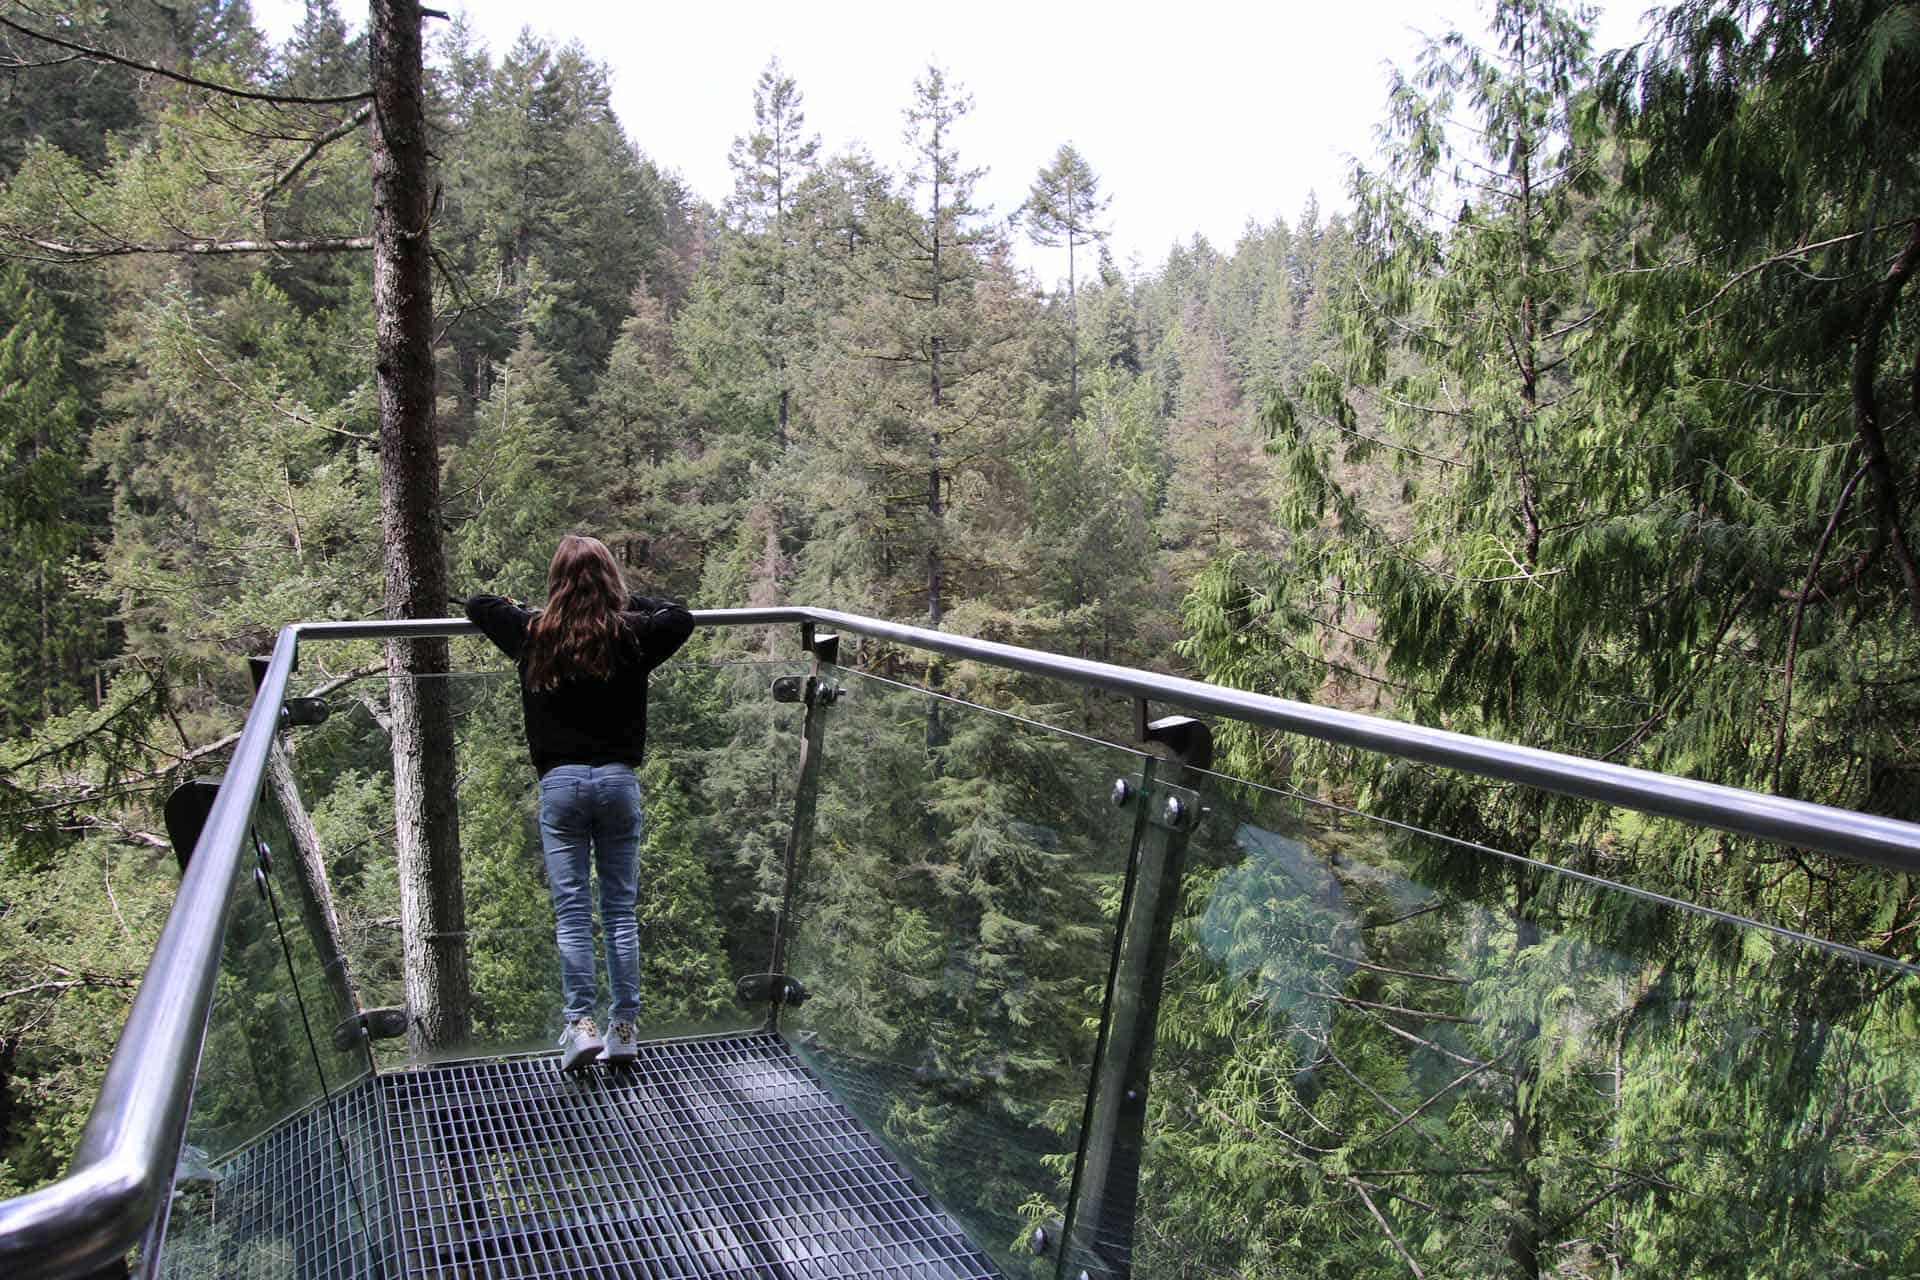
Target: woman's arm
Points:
(503, 622)
(661, 625)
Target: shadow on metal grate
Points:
(718, 1157)
(290, 1203)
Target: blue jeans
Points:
(590, 816)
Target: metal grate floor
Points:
(307, 1199)
(718, 1157)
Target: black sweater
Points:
(584, 719)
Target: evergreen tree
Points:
(42, 631)
(521, 480)
(320, 57)
(1770, 336)
(950, 319)
(651, 463)
(1463, 341)
(769, 166)
(1065, 206)
(1216, 492)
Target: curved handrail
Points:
(122, 1166)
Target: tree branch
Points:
(1799, 613)
(93, 54)
(1381, 1218)
(144, 839)
(1866, 413)
(1798, 251)
(63, 251)
(1398, 973)
(1445, 1089)
(218, 372)
(319, 144)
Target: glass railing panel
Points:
(717, 796)
(280, 1173)
(344, 770)
(954, 929)
(716, 803)
(1385, 1051)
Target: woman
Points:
(583, 664)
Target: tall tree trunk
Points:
(1073, 336)
(1525, 1111)
(1073, 315)
(432, 899)
(936, 731)
(46, 645)
(934, 608)
(316, 892)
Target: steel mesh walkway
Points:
(307, 1199)
(722, 1157)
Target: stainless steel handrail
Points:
(123, 1163)
(121, 1168)
(1863, 837)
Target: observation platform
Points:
(934, 989)
(721, 1156)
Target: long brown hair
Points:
(575, 634)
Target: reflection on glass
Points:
(1382, 1050)
(716, 804)
(954, 933)
(279, 1166)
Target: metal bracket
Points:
(187, 808)
(302, 711)
(1190, 740)
(389, 1023)
(807, 689)
(761, 988)
(257, 668)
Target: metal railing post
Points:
(819, 693)
(1098, 1237)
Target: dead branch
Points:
(64, 251)
(320, 143)
(94, 54)
(1381, 1218)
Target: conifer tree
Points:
(40, 460)
(642, 430)
(1065, 207)
(769, 166)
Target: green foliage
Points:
(69, 959)
(1571, 433)
(44, 634)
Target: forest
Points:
(1588, 418)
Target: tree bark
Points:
(1866, 415)
(432, 898)
(316, 892)
(68, 251)
(1525, 1142)
(1073, 313)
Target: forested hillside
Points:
(1589, 418)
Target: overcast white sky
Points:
(1198, 117)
